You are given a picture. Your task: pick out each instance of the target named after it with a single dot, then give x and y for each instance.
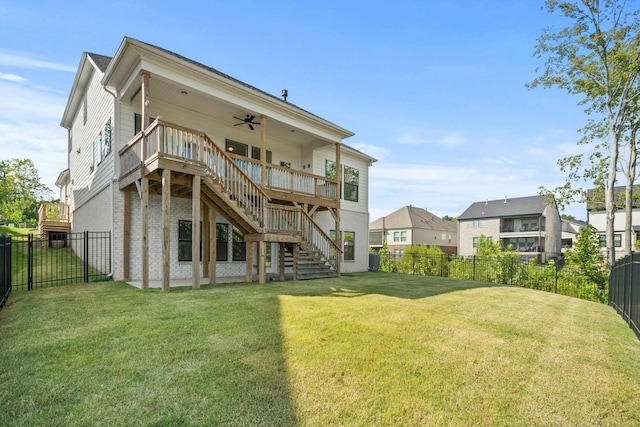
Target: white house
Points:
(162, 148)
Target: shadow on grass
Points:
(115, 354)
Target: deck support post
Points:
(262, 249)
(281, 262)
(144, 213)
(213, 250)
(249, 254)
(126, 237)
(166, 235)
(195, 232)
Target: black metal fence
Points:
(624, 291)
(5, 269)
(59, 258)
(512, 271)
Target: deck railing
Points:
(240, 177)
(172, 141)
(290, 180)
(53, 212)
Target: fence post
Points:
(29, 262)
(474, 268)
(86, 256)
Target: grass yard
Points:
(364, 349)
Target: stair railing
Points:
(314, 236)
(196, 146)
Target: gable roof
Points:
(89, 63)
(131, 52)
(412, 217)
(101, 61)
(519, 206)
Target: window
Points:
(475, 242)
(239, 246)
(184, 241)
(92, 162)
(617, 240)
(351, 183)
(255, 154)
(349, 245)
(107, 139)
(137, 123)
(477, 223)
(237, 148)
(98, 148)
(330, 169)
(399, 236)
(222, 242)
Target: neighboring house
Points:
(162, 148)
(570, 230)
(410, 226)
(596, 216)
(528, 224)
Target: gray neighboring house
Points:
(410, 226)
(529, 224)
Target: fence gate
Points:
(5, 269)
(59, 258)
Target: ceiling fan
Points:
(247, 121)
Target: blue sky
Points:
(435, 90)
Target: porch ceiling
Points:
(221, 112)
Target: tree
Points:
(21, 191)
(450, 218)
(587, 257)
(597, 56)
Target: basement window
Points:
(184, 240)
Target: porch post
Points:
(206, 241)
(126, 237)
(144, 211)
(337, 216)
(281, 262)
(262, 249)
(166, 235)
(195, 232)
(263, 150)
(249, 262)
(145, 98)
(213, 250)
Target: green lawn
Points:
(364, 349)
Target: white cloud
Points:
(420, 137)
(12, 77)
(23, 61)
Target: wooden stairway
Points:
(312, 265)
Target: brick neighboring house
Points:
(412, 226)
(529, 224)
(200, 176)
(596, 216)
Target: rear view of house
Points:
(529, 225)
(198, 175)
(410, 226)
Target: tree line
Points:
(21, 191)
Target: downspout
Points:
(116, 171)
